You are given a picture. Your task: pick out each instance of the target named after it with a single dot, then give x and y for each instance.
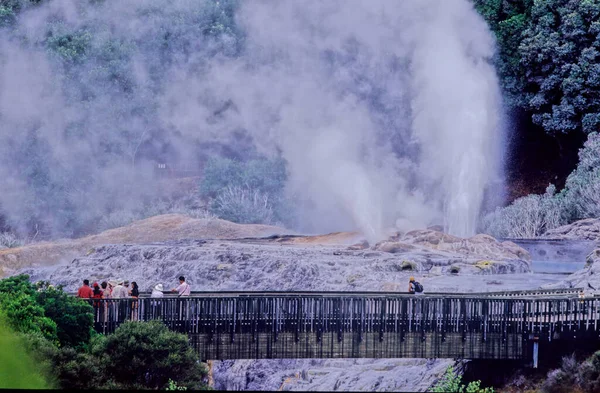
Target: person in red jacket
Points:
(85, 291)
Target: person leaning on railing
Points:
(183, 289)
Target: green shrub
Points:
(73, 316)
(22, 312)
(451, 382)
(18, 369)
(148, 355)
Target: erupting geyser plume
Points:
(386, 112)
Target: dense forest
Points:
(82, 127)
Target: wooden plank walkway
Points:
(268, 325)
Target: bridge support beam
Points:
(535, 351)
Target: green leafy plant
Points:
(451, 382)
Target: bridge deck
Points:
(259, 325)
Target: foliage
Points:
(173, 386)
(574, 376)
(532, 215)
(148, 355)
(73, 316)
(547, 59)
(508, 20)
(243, 205)
(559, 52)
(582, 189)
(57, 330)
(265, 176)
(246, 192)
(451, 382)
(527, 217)
(9, 240)
(22, 312)
(18, 370)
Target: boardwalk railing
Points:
(354, 325)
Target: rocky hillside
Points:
(588, 229)
(154, 229)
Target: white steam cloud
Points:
(386, 112)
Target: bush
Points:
(582, 188)
(243, 206)
(532, 215)
(563, 379)
(73, 316)
(22, 311)
(149, 355)
(574, 376)
(527, 217)
(265, 176)
(451, 382)
(18, 369)
(8, 240)
(247, 192)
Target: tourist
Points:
(97, 292)
(126, 285)
(414, 287)
(183, 289)
(135, 290)
(157, 291)
(85, 292)
(119, 291)
(135, 294)
(105, 290)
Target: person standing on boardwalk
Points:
(119, 292)
(157, 292)
(85, 292)
(414, 287)
(135, 294)
(183, 289)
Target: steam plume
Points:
(387, 112)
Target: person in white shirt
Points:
(183, 289)
(157, 291)
(119, 292)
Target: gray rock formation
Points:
(220, 265)
(587, 278)
(368, 375)
(588, 229)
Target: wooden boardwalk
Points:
(270, 325)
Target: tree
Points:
(21, 310)
(582, 189)
(508, 19)
(559, 53)
(73, 316)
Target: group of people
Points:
(120, 289)
(113, 289)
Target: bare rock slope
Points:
(289, 263)
(154, 229)
(588, 229)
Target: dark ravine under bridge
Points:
(275, 325)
